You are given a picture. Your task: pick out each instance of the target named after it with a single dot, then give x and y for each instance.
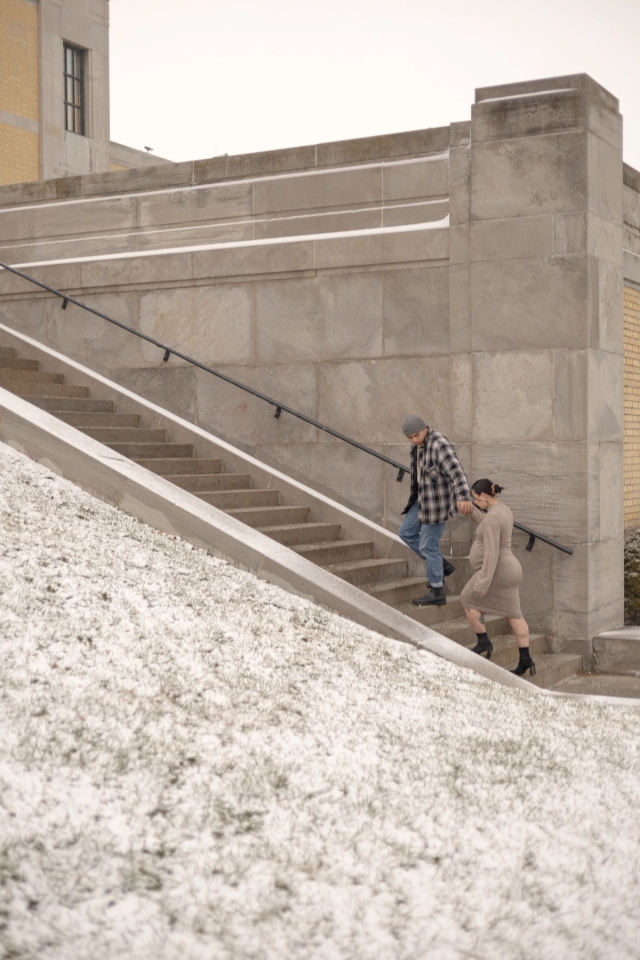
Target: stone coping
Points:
(413, 143)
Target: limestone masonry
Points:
(473, 273)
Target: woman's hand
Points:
(465, 507)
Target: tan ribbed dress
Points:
(496, 572)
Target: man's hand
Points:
(465, 507)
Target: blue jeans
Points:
(424, 539)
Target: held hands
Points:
(465, 507)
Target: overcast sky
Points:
(196, 78)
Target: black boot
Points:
(435, 598)
(448, 568)
(483, 645)
(526, 663)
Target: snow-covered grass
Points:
(196, 765)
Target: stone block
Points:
(193, 205)
(460, 243)
(461, 372)
(335, 469)
(405, 213)
(611, 490)
(100, 345)
(605, 239)
(605, 179)
(618, 652)
(605, 396)
(26, 316)
(546, 484)
(407, 246)
(150, 268)
(325, 317)
(367, 399)
(630, 205)
(459, 184)
(368, 149)
(607, 322)
(606, 585)
(416, 311)
(248, 421)
(526, 115)
(254, 259)
(172, 388)
(529, 176)
(213, 324)
(412, 179)
(570, 394)
(318, 190)
(520, 304)
(86, 216)
(317, 223)
(570, 233)
(513, 396)
(510, 239)
(460, 307)
(15, 225)
(263, 164)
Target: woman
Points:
(494, 586)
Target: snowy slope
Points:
(197, 765)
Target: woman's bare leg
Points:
(476, 620)
(520, 629)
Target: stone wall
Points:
(330, 278)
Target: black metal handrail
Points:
(279, 407)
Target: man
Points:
(439, 487)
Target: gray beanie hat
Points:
(412, 423)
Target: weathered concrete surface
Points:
(618, 651)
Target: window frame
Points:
(74, 82)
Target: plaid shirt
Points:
(437, 479)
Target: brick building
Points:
(54, 92)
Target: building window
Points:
(74, 119)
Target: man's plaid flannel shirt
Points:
(437, 479)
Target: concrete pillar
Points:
(536, 329)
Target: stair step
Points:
(451, 611)
(29, 376)
(229, 500)
(64, 405)
(7, 352)
(293, 533)
(210, 482)
(126, 434)
(360, 572)
(90, 420)
(17, 363)
(552, 668)
(397, 592)
(149, 451)
(180, 466)
(24, 389)
(505, 648)
(458, 628)
(263, 516)
(335, 551)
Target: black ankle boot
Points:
(526, 663)
(448, 568)
(483, 645)
(435, 598)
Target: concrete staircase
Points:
(323, 543)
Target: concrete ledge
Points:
(156, 501)
(617, 652)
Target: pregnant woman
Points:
(494, 586)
